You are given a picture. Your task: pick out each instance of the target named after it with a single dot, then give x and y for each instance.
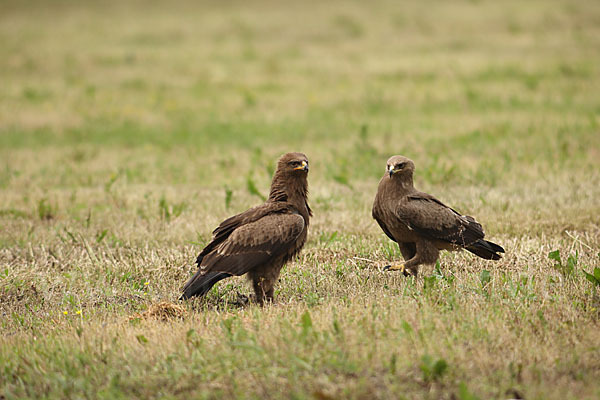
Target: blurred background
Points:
(137, 97)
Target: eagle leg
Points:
(263, 290)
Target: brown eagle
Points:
(261, 240)
(421, 224)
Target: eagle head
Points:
(399, 165)
(293, 163)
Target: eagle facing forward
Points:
(259, 241)
(421, 224)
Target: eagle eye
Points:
(400, 165)
(294, 163)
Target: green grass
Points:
(129, 130)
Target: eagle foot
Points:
(397, 267)
(241, 300)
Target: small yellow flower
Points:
(78, 312)
(66, 312)
(146, 283)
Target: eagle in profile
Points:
(259, 241)
(421, 224)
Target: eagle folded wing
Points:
(432, 219)
(227, 227)
(254, 244)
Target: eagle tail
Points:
(200, 284)
(486, 249)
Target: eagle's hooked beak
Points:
(391, 170)
(303, 167)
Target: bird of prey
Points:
(421, 224)
(259, 241)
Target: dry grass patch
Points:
(162, 311)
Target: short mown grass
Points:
(128, 131)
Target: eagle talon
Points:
(242, 299)
(395, 267)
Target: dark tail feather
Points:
(200, 284)
(486, 249)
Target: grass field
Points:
(129, 130)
